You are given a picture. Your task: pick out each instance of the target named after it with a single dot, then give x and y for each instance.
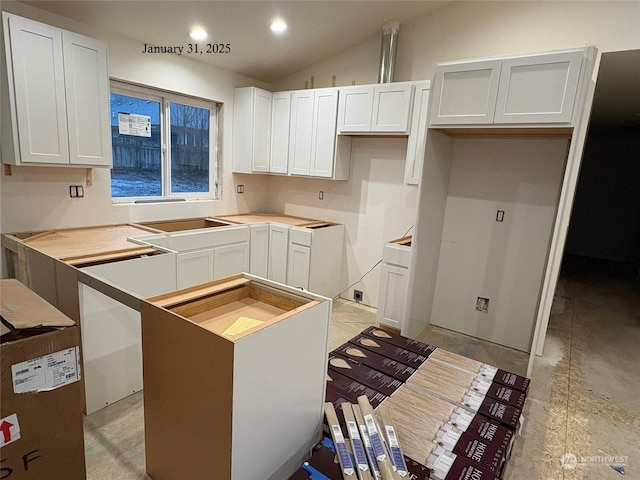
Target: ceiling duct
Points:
(388, 51)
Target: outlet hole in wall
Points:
(357, 295)
(482, 305)
(240, 189)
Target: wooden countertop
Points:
(87, 241)
(244, 218)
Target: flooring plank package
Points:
(223, 376)
(489, 372)
(389, 350)
(467, 398)
(473, 382)
(425, 421)
(351, 389)
(386, 365)
(364, 374)
(446, 465)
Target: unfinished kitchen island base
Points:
(227, 397)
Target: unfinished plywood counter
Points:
(234, 379)
(246, 218)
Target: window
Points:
(164, 146)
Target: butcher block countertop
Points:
(76, 243)
(245, 218)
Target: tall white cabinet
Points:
(501, 157)
(58, 97)
(251, 130)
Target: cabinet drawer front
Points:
(300, 236)
(396, 255)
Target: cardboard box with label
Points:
(41, 433)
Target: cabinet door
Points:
(538, 88)
(278, 245)
(195, 268)
(301, 132)
(298, 266)
(38, 82)
(259, 250)
(465, 93)
(391, 108)
(417, 136)
(394, 283)
(354, 109)
(87, 93)
(324, 133)
(261, 130)
(280, 119)
(230, 260)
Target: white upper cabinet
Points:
(300, 132)
(251, 130)
(392, 108)
(417, 135)
(58, 90)
(312, 136)
(384, 108)
(539, 88)
(323, 137)
(516, 90)
(280, 118)
(465, 93)
(354, 110)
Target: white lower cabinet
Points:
(110, 330)
(394, 283)
(314, 260)
(230, 260)
(259, 250)
(298, 263)
(278, 246)
(195, 267)
(211, 382)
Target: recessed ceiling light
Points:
(198, 33)
(278, 25)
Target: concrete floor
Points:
(582, 407)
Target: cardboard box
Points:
(41, 433)
(364, 374)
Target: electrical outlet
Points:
(321, 195)
(76, 191)
(357, 295)
(240, 189)
(500, 216)
(482, 305)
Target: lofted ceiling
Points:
(317, 29)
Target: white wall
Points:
(374, 204)
(36, 198)
(458, 30)
(502, 261)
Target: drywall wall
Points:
(36, 198)
(605, 221)
(502, 261)
(458, 30)
(374, 205)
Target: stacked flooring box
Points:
(454, 415)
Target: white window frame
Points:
(165, 98)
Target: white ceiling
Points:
(317, 29)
